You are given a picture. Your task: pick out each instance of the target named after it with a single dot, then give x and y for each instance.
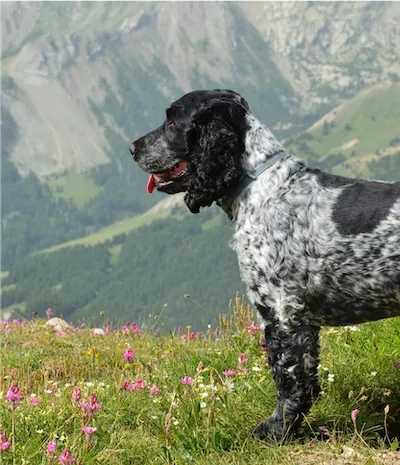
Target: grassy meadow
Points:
(139, 394)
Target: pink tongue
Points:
(150, 184)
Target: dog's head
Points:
(198, 149)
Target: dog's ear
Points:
(216, 145)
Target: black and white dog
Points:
(314, 249)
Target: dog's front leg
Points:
(293, 355)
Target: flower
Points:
(91, 406)
(192, 335)
(89, 430)
(354, 414)
(331, 378)
(4, 444)
(51, 447)
(242, 358)
(65, 457)
(76, 395)
(134, 327)
(49, 313)
(139, 384)
(155, 389)
(35, 401)
(127, 386)
(253, 328)
(229, 372)
(126, 330)
(129, 356)
(13, 396)
(184, 338)
(186, 380)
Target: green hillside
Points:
(361, 137)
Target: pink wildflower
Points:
(186, 380)
(184, 338)
(59, 333)
(253, 328)
(139, 384)
(106, 330)
(242, 358)
(192, 335)
(49, 313)
(65, 457)
(129, 356)
(89, 430)
(127, 386)
(354, 414)
(51, 447)
(126, 330)
(13, 396)
(35, 401)
(155, 389)
(135, 327)
(91, 406)
(76, 395)
(181, 330)
(4, 444)
(229, 372)
(16, 322)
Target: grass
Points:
(207, 421)
(78, 187)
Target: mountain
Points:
(82, 73)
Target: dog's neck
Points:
(260, 144)
(262, 150)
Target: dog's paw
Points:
(271, 430)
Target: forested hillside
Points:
(135, 275)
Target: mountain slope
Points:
(356, 137)
(104, 72)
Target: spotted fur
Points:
(313, 249)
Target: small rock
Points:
(348, 452)
(58, 324)
(98, 332)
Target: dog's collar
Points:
(227, 201)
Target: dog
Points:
(313, 248)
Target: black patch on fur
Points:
(363, 205)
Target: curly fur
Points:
(313, 248)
